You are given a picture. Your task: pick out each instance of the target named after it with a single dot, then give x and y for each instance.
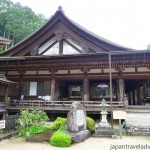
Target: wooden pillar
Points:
(144, 90)
(56, 90)
(136, 97)
(148, 88)
(86, 94)
(131, 97)
(141, 95)
(6, 96)
(61, 47)
(120, 89)
(5, 114)
(20, 93)
(21, 86)
(53, 87)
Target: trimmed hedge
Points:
(60, 139)
(90, 123)
(59, 123)
(35, 129)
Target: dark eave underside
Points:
(101, 54)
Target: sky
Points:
(126, 22)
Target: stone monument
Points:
(103, 128)
(76, 123)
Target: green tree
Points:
(28, 119)
(17, 22)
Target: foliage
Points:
(90, 123)
(59, 123)
(46, 128)
(60, 139)
(35, 129)
(17, 21)
(62, 128)
(22, 133)
(27, 119)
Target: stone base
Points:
(103, 132)
(79, 136)
(40, 138)
(138, 130)
(104, 125)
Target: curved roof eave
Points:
(94, 37)
(81, 31)
(27, 40)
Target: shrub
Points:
(59, 123)
(90, 123)
(60, 139)
(46, 128)
(22, 133)
(27, 119)
(35, 129)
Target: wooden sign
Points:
(118, 114)
(2, 124)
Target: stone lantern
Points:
(104, 123)
(103, 129)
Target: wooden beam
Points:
(86, 94)
(73, 46)
(48, 48)
(53, 87)
(61, 47)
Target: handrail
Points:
(65, 101)
(40, 103)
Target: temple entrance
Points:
(100, 89)
(74, 90)
(70, 90)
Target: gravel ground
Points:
(142, 142)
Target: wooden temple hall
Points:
(63, 62)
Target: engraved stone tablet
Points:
(80, 117)
(76, 118)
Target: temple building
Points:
(4, 83)
(63, 62)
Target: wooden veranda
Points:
(62, 106)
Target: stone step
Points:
(101, 132)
